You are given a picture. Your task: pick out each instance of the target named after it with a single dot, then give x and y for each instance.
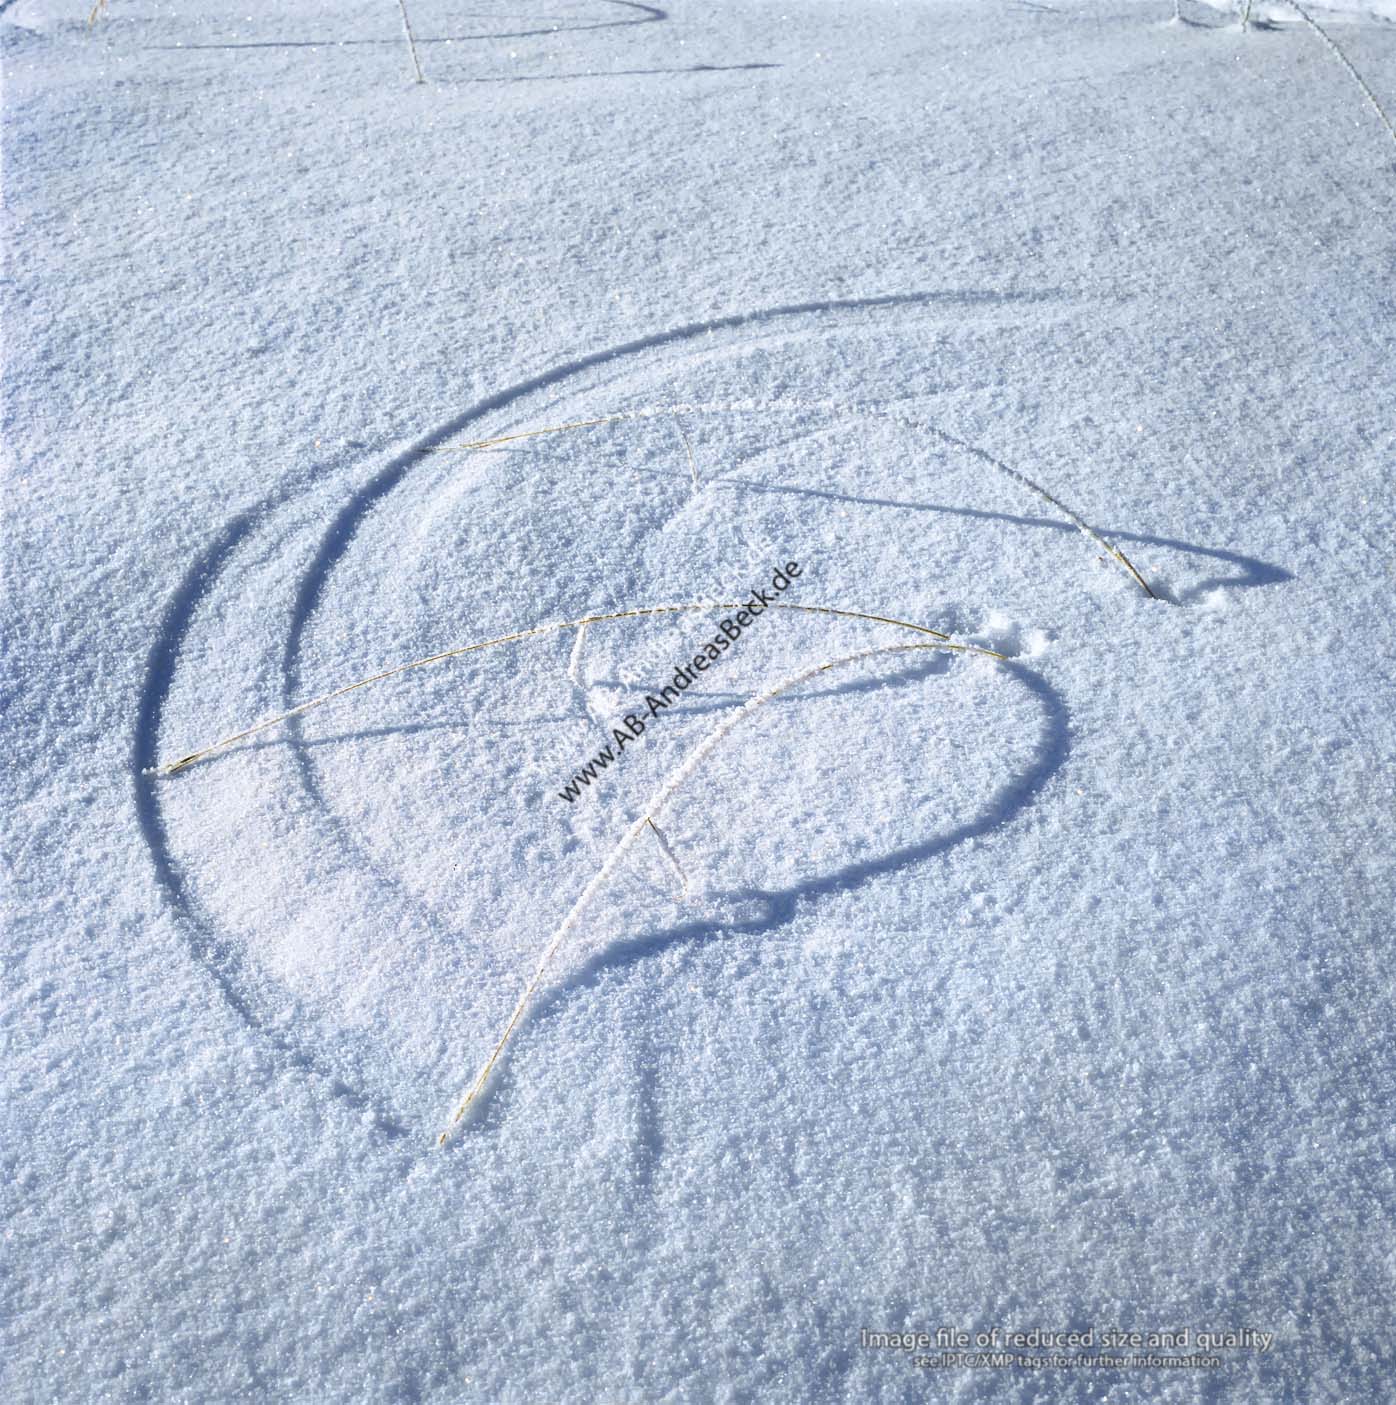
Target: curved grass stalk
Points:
(1346, 63)
(829, 407)
(169, 768)
(670, 785)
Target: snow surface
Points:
(1283, 12)
(1044, 994)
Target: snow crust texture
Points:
(1050, 992)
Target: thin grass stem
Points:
(688, 448)
(1346, 63)
(666, 791)
(411, 42)
(171, 767)
(861, 411)
(667, 850)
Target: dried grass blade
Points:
(671, 784)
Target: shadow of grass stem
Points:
(824, 407)
(666, 791)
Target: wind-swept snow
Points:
(1050, 992)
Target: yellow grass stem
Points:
(169, 768)
(667, 789)
(827, 407)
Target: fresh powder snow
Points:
(1001, 1013)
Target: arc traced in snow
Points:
(667, 789)
(822, 407)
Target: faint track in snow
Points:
(620, 73)
(343, 527)
(649, 14)
(218, 957)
